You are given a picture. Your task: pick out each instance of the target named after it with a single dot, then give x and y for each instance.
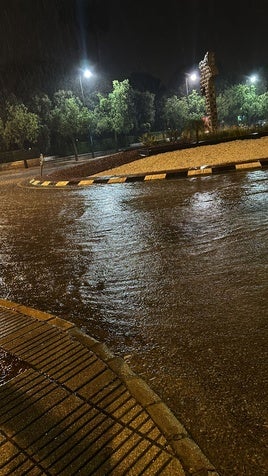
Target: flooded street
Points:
(171, 275)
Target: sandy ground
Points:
(235, 151)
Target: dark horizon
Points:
(123, 39)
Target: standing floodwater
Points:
(170, 274)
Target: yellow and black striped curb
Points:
(185, 449)
(162, 175)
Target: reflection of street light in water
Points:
(190, 78)
(86, 74)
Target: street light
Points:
(190, 78)
(86, 74)
(253, 79)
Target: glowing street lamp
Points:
(253, 79)
(86, 74)
(190, 78)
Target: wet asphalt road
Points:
(172, 275)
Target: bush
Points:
(147, 139)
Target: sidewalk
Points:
(74, 408)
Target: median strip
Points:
(168, 175)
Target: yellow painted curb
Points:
(35, 182)
(8, 304)
(86, 182)
(250, 165)
(36, 314)
(44, 184)
(155, 176)
(62, 183)
(28, 311)
(200, 172)
(117, 180)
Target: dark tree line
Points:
(118, 113)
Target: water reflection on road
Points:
(172, 274)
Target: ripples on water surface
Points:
(173, 274)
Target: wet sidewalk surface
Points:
(72, 407)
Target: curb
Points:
(203, 170)
(194, 462)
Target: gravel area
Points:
(234, 151)
(130, 162)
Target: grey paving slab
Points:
(74, 408)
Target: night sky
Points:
(122, 37)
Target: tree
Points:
(194, 128)
(41, 105)
(263, 99)
(252, 106)
(6, 100)
(2, 132)
(21, 126)
(239, 104)
(196, 108)
(144, 109)
(122, 114)
(70, 118)
(102, 112)
(174, 113)
(177, 111)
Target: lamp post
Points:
(253, 80)
(190, 78)
(86, 74)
